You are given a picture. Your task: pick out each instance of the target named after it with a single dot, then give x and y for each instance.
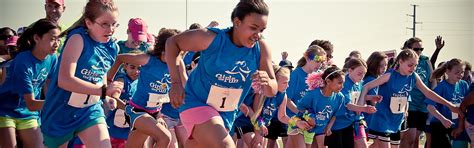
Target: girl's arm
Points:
(433, 111)
(292, 106)
(468, 100)
(120, 103)
(433, 96)
(67, 67)
(358, 108)
(282, 111)
(196, 40)
(31, 103)
(182, 72)
(267, 80)
(328, 128)
(135, 59)
(372, 84)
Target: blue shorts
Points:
(132, 114)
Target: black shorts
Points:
(341, 138)
(127, 117)
(393, 138)
(276, 129)
(242, 130)
(417, 120)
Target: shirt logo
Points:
(240, 69)
(40, 77)
(162, 85)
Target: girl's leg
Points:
(8, 139)
(247, 138)
(272, 143)
(180, 132)
(295, 141)
(320, 140)
(31, 138)
(138, 139)
(146, 124)
(212, 133)
(381, 144)
(96, 136)
(284, 140)
(174, 140)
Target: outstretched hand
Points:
(439, 42)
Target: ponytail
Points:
(39, 28)
(439, 72)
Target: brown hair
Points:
(405, 55)
(354, 63)
(195, 26)
(246, 7)
(373, 63)
(160, 41)
(440, 71)
(312, 50)
(92, 10)
(326, 45)
(40, 27)
(331, 73)
(409, 43)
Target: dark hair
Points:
(312, 50)
(92, 10)
(246, 7)
(354, 63)
(326, 45)
(409, 43)
(4, 30)
(440, 71)
(195, 26)
(405, 55)
(373, 63)
(331, 73)
(39, 28)
(160, 41)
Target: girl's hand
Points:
(375, 98)
(303, 125)
(261, 77)
(114, 88)
(112, 103)
(447, 123)
(176, 95)
(327, 131)
(370, 109)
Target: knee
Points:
(163, 139)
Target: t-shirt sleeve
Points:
(24, 78)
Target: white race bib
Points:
(155, 100)
(224, 99)
(82, 100)
(454, 116)
(398, 104)
(355, 97)
(119, 119)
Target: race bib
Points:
(224, 99)
(355, 97)
(398, 104)
(82, 100)
(119, 119)
(155, 100)
(454, 116)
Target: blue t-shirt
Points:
(351, 92)
(271, 106)
(124, 49)
(241, 120)
(27, 75)
(323, 107)
(223, 76)
(118, 128)
(373, 91)
(453, 93)
(417, 98)
(391, 110)
(65, 112)
(297, 87)
(153, 85)
(188, 58)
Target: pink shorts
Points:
(118, 143)
(362, 134)
(197, 115)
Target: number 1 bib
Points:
(454, 116)
(398, 104)
(355, 97)
(224, 99)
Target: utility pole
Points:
(414, 20)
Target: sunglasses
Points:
(418, 49)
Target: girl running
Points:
(74, 97)
(317, 108)
(395, 86)
(453, 89)
(222, 78)
(347, 130)
(152, 91)
(28, 75)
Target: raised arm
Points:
(131, 58)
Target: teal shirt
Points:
(417, 98)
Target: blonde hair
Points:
(312, 50)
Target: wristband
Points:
(104, 92)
